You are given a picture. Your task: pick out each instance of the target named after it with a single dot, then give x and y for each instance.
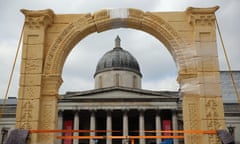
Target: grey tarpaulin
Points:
(18, 136)
(225, 136)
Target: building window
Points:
(100, 82)
(134, 81)
(117, 79)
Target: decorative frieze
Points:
(202, 20)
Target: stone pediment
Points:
(120, 93)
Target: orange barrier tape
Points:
(117, 137)
(183, 131)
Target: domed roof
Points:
(117, 59)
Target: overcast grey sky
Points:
(157, 66)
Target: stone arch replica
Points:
(189, 36)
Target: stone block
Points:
(64, 18)
(206, 49)
(204, 84)
(46, 138)
(48, 112)
(190, 108)
(210, 90)
(57, 27)
(34, 37)
(207, 64)
(202, 89)
(31, 66)
(32, 51)
(30, 80)
(211, 139)
(28, 110)
(30, 125)
(187, 34)
(192, 139)
(209, 77)
(192, 125)
(211, 108)
(29, 92)
(50, 38)
(213, 124)
(205, 34)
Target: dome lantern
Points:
(117, 42)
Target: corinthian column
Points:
(60, 124)
(109, 126)
(158, 126)
(92, 126)
(125, 123)
(141, 126)
(174, 124)
(76, 126)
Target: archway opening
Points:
(156, 64)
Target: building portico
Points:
(118, 122)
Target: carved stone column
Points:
(28, 107)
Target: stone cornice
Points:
(37, 18)
(193, 10)
(201, 16)
(170, 94)
(117, 106)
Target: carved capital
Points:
(38, 19)
(51, 84)
(202, 16)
